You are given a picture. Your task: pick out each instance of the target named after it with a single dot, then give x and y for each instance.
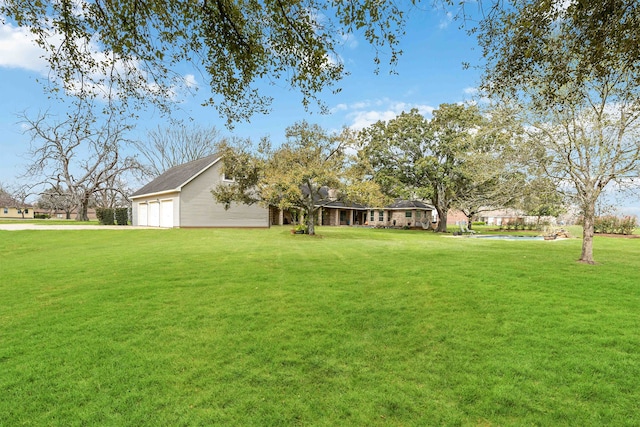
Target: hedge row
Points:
(109, 216)
(613, 225)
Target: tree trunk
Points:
(83, 209)
(469, 219)
(587, 235)
(442, 219)
(442, 208)
(311, 222)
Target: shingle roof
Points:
(341, 204)
(410, 204)
(177, 176)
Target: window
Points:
(227, 178)
(380, 215)
(407, 214)
(19, 211)
(26, 211)
(418, 214)
(373, 216)
(6, 210)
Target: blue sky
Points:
(429, 73)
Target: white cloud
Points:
(19, 50)
(477, 97)
(190, 81)
(339, 107)
(446, 20)
(350, 41)
(364, 113)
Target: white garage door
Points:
(154, 214)
(142, 214)
(166, 213)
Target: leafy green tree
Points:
(142, 45)
(412, 157)
(487, 187)
(491, 176)
(570, 72)
(542, 198)
(294, 174)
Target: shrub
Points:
(122, 216)
(105, 216)
(610, 224)
(628, 225)
(42, 216)
(301, 229)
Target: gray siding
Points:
(198, 208)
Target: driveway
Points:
(24, 226)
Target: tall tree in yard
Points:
(491, 175)
(412, 157)
(571, 72)
(293, 174)
(173, 146)
(80, 154)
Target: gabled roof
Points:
(176, 177)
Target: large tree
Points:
(57, 198)
(80, 154)
(490, 174)
(412, 157)
(166, 147)
(571, 73)
(541, 198)
(142, 45)
(295, 174)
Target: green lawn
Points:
(357, 327)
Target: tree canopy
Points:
(451, 158)
(295, 174)
(570, 71)
(141, 45)
(80, 155)
(562, 43)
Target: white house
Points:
(181, 197)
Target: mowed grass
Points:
(357, 327)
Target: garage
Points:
(154, 214)
(142, 214)
(166, 213)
